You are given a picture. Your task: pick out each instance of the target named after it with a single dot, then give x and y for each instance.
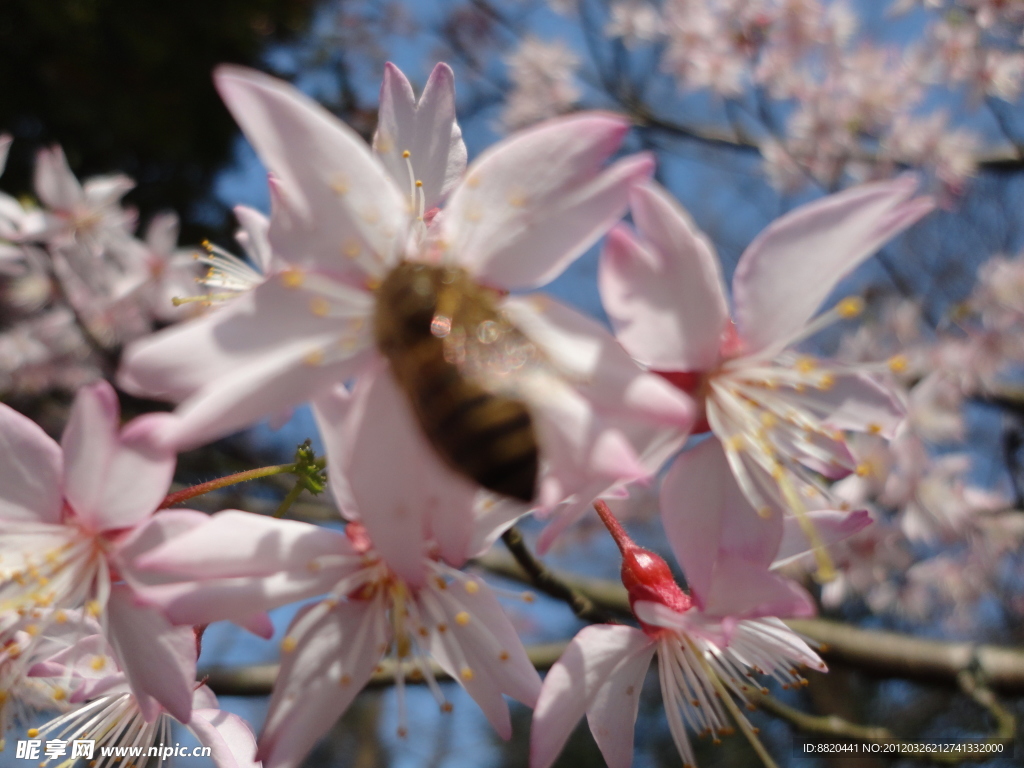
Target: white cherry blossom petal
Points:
(338, 195)
(31, 469)
(277, 315)
(664, 291)
(599, 661)
(112, 479)
(426, 129)
(793, 265)
(330, 663)
(528, 207)
(158, 660)
(831, 526)
(231, 743)
(601, 370)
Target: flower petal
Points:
(427, 130)
(260, 546)
(55, 184)
(159, 660)
(831, 526)
(488, 638)
(332, 662)
(532, 204)
(337, 195)
(793, 265)
(584, 352)
(113, 480)
(664, 292)
(378, 435)
(594, 675)
(31, 466)
(254, 236)
(270, 563)
(178, 361)
(157, 530)
(282, 379)
(709, 522)
(231, 743)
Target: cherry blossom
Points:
(68, 512)
(105, 709)
(703, 661)
(543, 75)
(779, 415)
(333, 646)
(523, 212)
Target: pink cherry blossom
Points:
(107, 711)
(87, 214)
(780, 415)
(67, 512)
(543, 75)
(525, 209)
(703, 659)
(333, 646)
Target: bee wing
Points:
(484, 344)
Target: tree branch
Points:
(876, 652)
(258, 679)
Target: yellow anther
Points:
(32, 629)
(503, 656)
(98, 663)
(442, 628)
(319, 306)
(528, 597)
(462, 618)
(289, 644)
(805, 364)
(466, 674)
(351, 249)
(339, 185)
(446, 707)
(441, 583)
(33, 732)
(59, 694)
(826, 382)
(419, 183)
(898, 363)
(735, 443)
(292, 278)
(316, 357)
(471, 587)
(863, 470)
(472, 182)
(406, 153)
(93, 608)
(768, 419)
(874, 429)
(850, 307)
(60, 617)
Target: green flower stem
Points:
(293, 494)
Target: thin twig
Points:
(546, 582)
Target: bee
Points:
(455, 356)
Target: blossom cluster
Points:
(830, 101)
(78, 284)
(392, 289)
